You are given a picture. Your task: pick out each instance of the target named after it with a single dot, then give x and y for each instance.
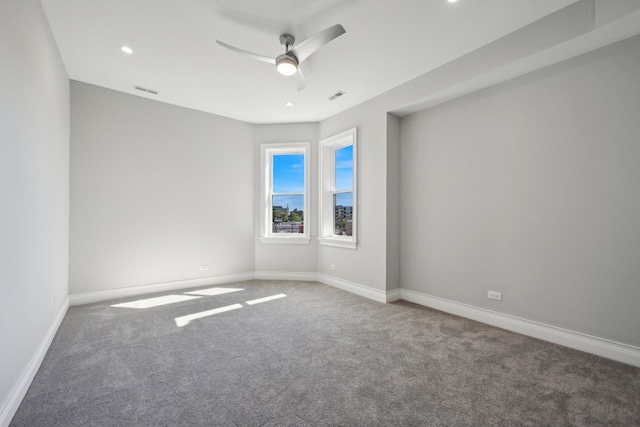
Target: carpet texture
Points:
(318, 356)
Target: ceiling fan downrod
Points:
(287, 40)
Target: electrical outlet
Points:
(333, 267)
(204, 267)
(495, 295)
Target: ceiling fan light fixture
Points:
(286, 65)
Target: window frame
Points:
(267, 151)
(328, 148)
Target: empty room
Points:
(341, 212)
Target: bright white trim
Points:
(286, 275)
(394, 295)
(602, 347)
(345, 285)
(267, 151)
(338, 242)
(285, 239)
(109, 294)
(354, 288)
(10, 406)
(328, 147)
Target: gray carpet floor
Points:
(317, 357)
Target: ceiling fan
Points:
(288, 64)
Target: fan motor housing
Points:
(287, 57)
(287, 40)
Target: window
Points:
(284, 198)
(338, 199)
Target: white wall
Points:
(531, 188)
(393, 203)
(549, 40)
(156, 191)
(34, 192)
(367, 265)
(280, 257)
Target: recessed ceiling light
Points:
(289, 104)
(452, 1)
(126, 49)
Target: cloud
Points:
(344, 164)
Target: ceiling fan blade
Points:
(262, 58)
(305, 49)
(298, 78)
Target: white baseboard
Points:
(610, 349)
(394, 295)
(345, 285)
(10, 406)
(286, 275)
(354, 288)
(109, 294)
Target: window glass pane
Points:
(287, 215)
(343, 214)
(344, 168)
(288, 173)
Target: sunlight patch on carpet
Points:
(185, 320)
(155, 302)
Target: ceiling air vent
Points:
(144, 89)
(336, 95)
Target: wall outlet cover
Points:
(495, 295)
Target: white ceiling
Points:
(387, 43)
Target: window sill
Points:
(285, 240)
(338, 242)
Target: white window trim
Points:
(267, 151)
(328, 148)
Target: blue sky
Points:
(344, 168)
(344, 199)
(288, 177)
(288, 173)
